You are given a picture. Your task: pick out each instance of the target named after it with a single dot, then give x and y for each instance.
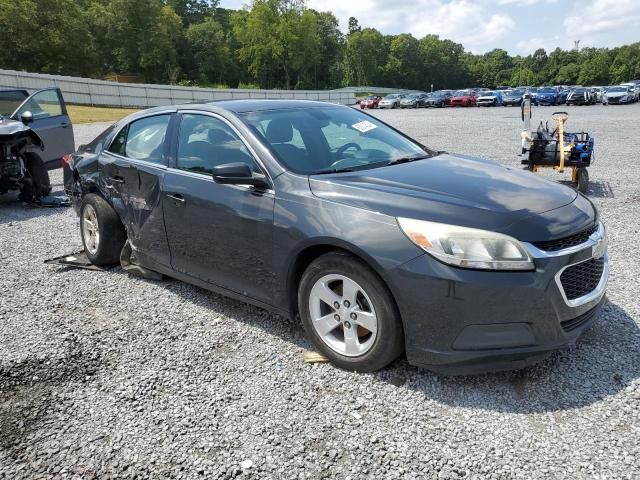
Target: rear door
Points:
(132, 172)
(51, 122)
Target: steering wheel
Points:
(347, 146)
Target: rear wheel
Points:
(103, 235)
(349, 314)
(582, 180)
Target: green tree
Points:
(193, 11)
(208, 47)
(568, 74)
(365, 57)
(404, 63)
(49, 36)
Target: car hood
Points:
(487, 97)
(460, 190)
(15, 128)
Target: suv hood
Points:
(15, 129)
(462, 190)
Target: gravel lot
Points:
(104, 375)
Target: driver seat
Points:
(280, 134)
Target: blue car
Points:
(548, 96)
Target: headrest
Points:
(279, 130)
(218, 136)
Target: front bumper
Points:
(469, 321)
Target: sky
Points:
(517, 26)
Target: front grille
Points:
(581, 279)
(566, 242)
(578, 322)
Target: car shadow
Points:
(604, 362)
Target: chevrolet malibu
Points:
(322, 213)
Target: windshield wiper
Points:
(413, 158)
(332, 170)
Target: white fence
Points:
(87, 91)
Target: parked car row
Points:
(483, 97)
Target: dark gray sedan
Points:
(324, 213)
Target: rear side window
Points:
(143, 139)
(10, 100)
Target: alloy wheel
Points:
(342, 315)
(90, 231)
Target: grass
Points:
(85, 114)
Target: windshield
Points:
(327, 139)
(393, 96)
(462, 93)
(617, 89)
(516, 93)
(10, 101)
(580, 90)
(488, 94)
(548, 90)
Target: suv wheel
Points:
(103, 234)
(349, 314)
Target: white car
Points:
(635, 89)
(599, 92)
(618, 94)
(489, 99)
(391, 101)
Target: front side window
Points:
(43, 105)
(205, 142)
(142, 139)
(331, 139)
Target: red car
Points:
(463, 98)
(370, 102)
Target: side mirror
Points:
(239, 174)
(26, 117)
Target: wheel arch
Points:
(309, 252)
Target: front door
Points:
(221, 234)
(52, 124)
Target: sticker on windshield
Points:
(364, 126)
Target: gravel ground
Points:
(104, 375)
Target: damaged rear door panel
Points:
(132, 174)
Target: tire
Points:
(582, 180)
(39, 185)
(366, 349)
(104, 246)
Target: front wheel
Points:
(103, 235)
(349, 314)
(38, 184)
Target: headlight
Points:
(467, 247)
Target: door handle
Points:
(176, 197)
(64, 124)
(117, 179)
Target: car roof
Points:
(5, 89)
(243, 106)
(233, 106)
